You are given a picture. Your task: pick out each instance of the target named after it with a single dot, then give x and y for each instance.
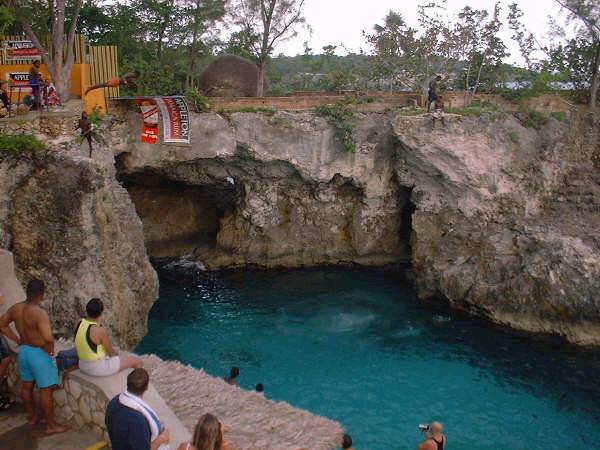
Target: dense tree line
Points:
(171, 41)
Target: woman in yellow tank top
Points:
(97, 357)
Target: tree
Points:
(203, 13)
(526, 41)
(586, 14)
(395, 48)
(477, 44)
(270, 21)
(59, 56)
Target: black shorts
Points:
(4, 348)
(432, 97)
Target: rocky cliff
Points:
(498, 215)
(497, 218)
(507, 219)
(68, 222)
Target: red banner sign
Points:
(149, 122)
(21, 50)
(176, 119)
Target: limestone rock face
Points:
(282, 190)
(69, 223)
(506, 229)
(505, 217)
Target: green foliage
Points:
(412, 111)
(252, 109)
(19, 144)
(7, 18)
(199, 101)
(561, 116)
(340, 116)
(514, 137)
(476, 109)
(530, 118)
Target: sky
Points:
(342, 21)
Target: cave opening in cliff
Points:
(407, 209)
(178, 218)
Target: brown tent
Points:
(230, 76)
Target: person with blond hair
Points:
(208, 435)
(434, 437)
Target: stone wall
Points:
(56, 127)
(78, 402)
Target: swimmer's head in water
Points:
(346, 441)
(234, 372)
(436, 427)
(260, 387)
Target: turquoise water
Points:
(355, 346)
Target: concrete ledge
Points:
(82, 401)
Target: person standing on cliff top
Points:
(36, 352)
(434, 91)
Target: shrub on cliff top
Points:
(339, 115)
(19, 144)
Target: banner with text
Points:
(15, 50)
(18, 81)
(150, 118)
(176, 119)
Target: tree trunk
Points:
(467, 93)
(260, 87)
(58, 66)
(189, 78)
(595, 79)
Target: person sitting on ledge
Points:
(208, 435)
(347, 442)
(132, 424)
(97, 357)
(233, 374)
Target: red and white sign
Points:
(149, 122)
(176, 119)
(21, 50)
(18, 80)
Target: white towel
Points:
(137, 404)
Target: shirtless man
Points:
(127, 80)
(36, 350)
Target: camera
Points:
(423, 427)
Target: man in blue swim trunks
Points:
(36, 363)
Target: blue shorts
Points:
(37, 365)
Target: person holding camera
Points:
(434, 438)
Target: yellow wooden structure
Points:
(92, 65)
